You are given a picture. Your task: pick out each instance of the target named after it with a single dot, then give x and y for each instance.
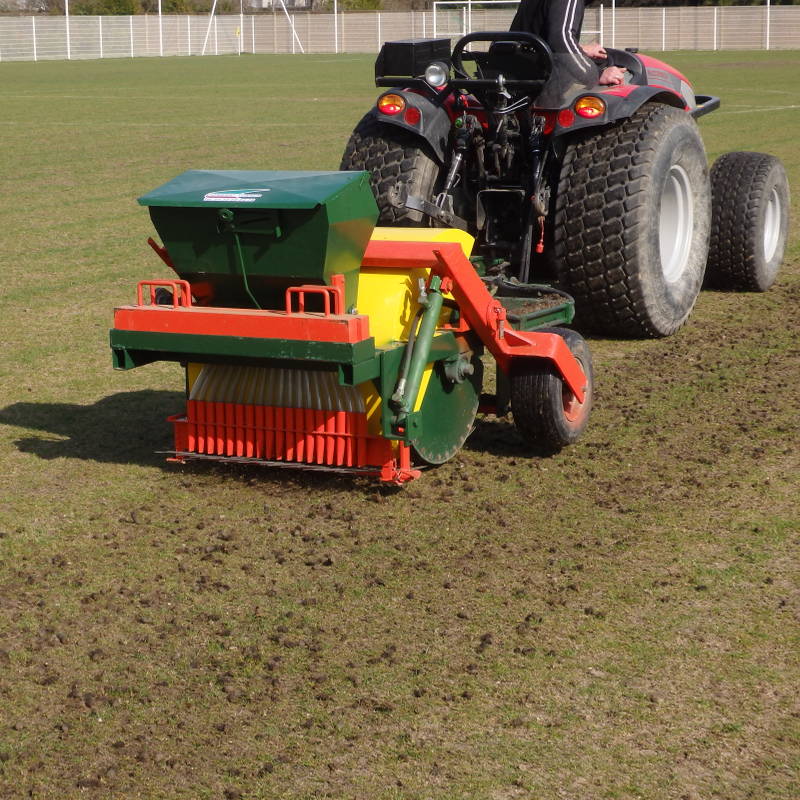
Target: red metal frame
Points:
(485, 314)
(245, 322)
(181, 292)
(334, 292)
(161, 252)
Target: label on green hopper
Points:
(234, 195)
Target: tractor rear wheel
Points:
(399, 164)
(632, 223)
(546, 414)
(750, 220)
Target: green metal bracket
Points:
(404, 397)
(443, 346)
(358, 361)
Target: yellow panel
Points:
(388, 298)
(426, 235)
(192, 372)
(372, 403)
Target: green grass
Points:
(619, 621)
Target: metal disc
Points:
(448, 411)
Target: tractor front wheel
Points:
(632, 220)
(546, 414)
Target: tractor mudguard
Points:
(431, 124)
(621, 103)
(624, 100)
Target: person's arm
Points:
(564, 21)
(595, 51)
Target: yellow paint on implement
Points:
(389, 298)
(192, 374)
(466, 241)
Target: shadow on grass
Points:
(500, 438)
(130, 428)
(125, 428)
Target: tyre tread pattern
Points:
(536, 392)
(731, 256)
(599, 212)
(393, 157)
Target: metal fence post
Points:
(33, 30)
(664, 28)
(768, 19)
(66, 19)
(100, 33)
(716, 9)
(614, 23)
(600, 15)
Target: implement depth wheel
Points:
(546, 414)
(749, 222)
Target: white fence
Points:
(80, 37)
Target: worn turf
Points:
(619, 621)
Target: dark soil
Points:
(519, 307)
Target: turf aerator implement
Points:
(312, 339)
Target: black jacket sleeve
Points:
(562, 32)
(559, 23)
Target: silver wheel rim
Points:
(675, 223)
(772, 225)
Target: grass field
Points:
(619, 621)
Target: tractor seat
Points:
(514, 60)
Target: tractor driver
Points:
(559, 23)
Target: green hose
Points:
(405, 398)
(226, 225)
(244, 271)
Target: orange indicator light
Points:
(391, 104)
(590, 107)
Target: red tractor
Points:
(603, 190)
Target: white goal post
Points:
(456, 18)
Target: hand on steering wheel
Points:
(612, 76)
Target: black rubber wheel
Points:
(749, 221)
(399, 164)
(546, 414)
(632, 220)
